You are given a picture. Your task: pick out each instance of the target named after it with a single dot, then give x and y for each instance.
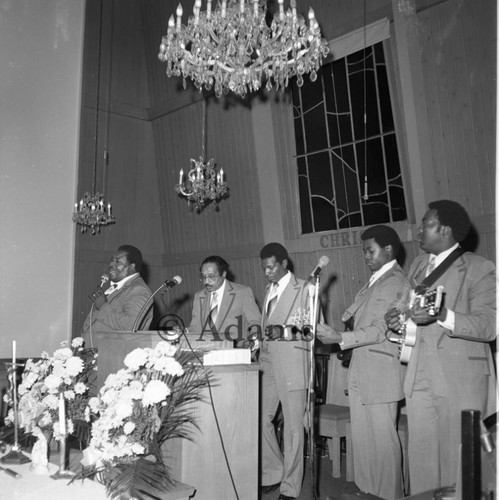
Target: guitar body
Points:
(431, 300)
(409, 341)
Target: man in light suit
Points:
(117, 307)
(223, 310)
(375, 374)
(451, 367)
(284, 364)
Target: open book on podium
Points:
(113, 347)
(217, 350)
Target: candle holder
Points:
(63, 472)
(15, 455)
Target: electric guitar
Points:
(431, 300)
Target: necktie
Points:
(271, 303)
(431, 264)
(213, 308)
(371, 280)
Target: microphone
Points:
(176, 280)
(323, 262)
(103, 280)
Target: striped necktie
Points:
(431, 265)
(213, 308)
(271, 303)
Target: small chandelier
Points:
(92, 212)
(231, 47)
(203, 184)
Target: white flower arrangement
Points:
(136, 411)
(66, 372)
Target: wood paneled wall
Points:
(154, 128)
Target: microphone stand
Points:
(145, 307)
(311, 388)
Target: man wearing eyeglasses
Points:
(222, 310)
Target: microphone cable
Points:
(226, 458)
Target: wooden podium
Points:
(234, 400)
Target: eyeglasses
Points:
(208, 277)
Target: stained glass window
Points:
(348, 163)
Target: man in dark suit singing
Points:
(375, 374)
(451, 367)
(222, 310)
(284, 361)
(117, 307)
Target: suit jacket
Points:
(375, 360)
(237, 312)
(289, 359)
(464, 355)
(121, 309)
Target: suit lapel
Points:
(419, 274)
(226, 303)
(119, 291)
(286, 301)
(204, 305)
(365, 294)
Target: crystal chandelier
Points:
(91, 212)
(231, 48)
(203, 184)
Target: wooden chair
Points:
(333, 422)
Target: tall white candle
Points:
(13, 352)
(179, 16)
(62, 414)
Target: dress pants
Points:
(377, 452)
(287, 469)
(434, 420)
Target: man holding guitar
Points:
(375, 376)
(450, 368)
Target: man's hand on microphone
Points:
(98, 297)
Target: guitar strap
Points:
(438, 271)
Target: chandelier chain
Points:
(91, 212)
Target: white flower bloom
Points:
(52, 382)
(155, 392)
(63, 353)
(51, 401)
(77, 342)
(70, 394)
(80, 388)
(137, 358)
(93, 403)
(123, 409)
(138, 449)
(109, 397)
(170, 366)
(128, 428)
(74, 366)
(118, 379)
